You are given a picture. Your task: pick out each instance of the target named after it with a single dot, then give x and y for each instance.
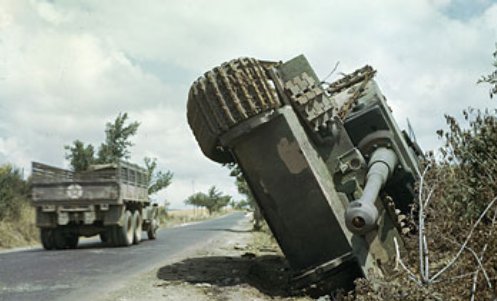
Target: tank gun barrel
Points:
(361, 215)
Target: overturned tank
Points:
(327, 163)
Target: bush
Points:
(14, 192)
(460, 226)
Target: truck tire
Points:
(72, 241)
(104, 236)
(152, 229)
(47, 239)
(112, 236)
(64, 239)
(225, 96)
(137, 219)
(59, 242)
(123, 235)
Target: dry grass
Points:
(263, 241)
(178, 217)
(21, 231)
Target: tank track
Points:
(226, 96)
(310, 101)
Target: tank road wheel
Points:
(47, 239)
(124, 234)
(226, 96)
(152, 229)
(137, 219)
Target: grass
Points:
(177, 217)
(21, 231)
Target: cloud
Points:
(67, 68)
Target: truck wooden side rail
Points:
(110, 200)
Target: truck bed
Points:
(112, 183)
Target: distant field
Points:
(175, 217)
(198, 212)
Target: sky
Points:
(68, 67)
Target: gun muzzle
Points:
(361, 215)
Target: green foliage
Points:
(240, 205)
(158, 179)
(243, 188)
(79, 155)
(116, 148)
(14, 192)
(117, 140)
(469, 161)
(241, 183)
(116, 145)
(491, 78)
(197, 199)
(213, 200)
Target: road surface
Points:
(94, 268)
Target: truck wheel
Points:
(125, 233)
(104, 236)
(47, 239)
(112, 235)
(65, 240)
(72, 240)
(225, 96)
(59, 242)
(137, 219)
(152, 229)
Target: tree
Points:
(116, 145)
(213, 200)
(216, 200)
(243, 188)
(14, 192)
(157, 180)
(492, 77)
(80, 156)
(241, 205)
(197, 199)
(117, 140)
(469, 161)
(116, 148)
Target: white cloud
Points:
(15, 151)
(66, 68)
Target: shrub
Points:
(14, 192)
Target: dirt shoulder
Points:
(238, 265)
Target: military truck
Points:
(326, 162)
(110, 200)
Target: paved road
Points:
(93, 268)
